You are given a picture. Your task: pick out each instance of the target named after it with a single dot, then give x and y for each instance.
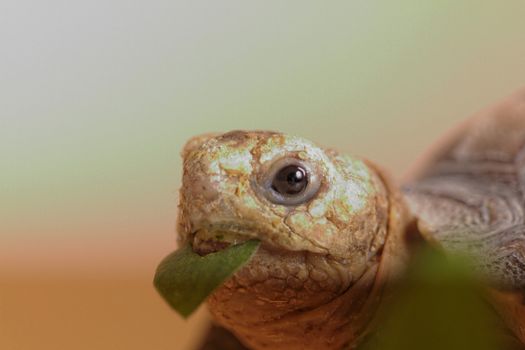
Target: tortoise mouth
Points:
(207, 237)
(210, 240)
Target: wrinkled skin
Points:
(317, 277)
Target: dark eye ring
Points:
(290, 181)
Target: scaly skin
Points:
(320, 272)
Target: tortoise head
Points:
(322, 219)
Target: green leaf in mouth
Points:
(185, 279)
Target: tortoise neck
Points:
(340, 323)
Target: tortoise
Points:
(333, 228)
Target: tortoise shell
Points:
(468, 192)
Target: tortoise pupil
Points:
(290, 180)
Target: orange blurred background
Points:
(97, 99)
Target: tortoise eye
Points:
(290, 181)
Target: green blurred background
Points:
(97, 99)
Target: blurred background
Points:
(97, 98)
